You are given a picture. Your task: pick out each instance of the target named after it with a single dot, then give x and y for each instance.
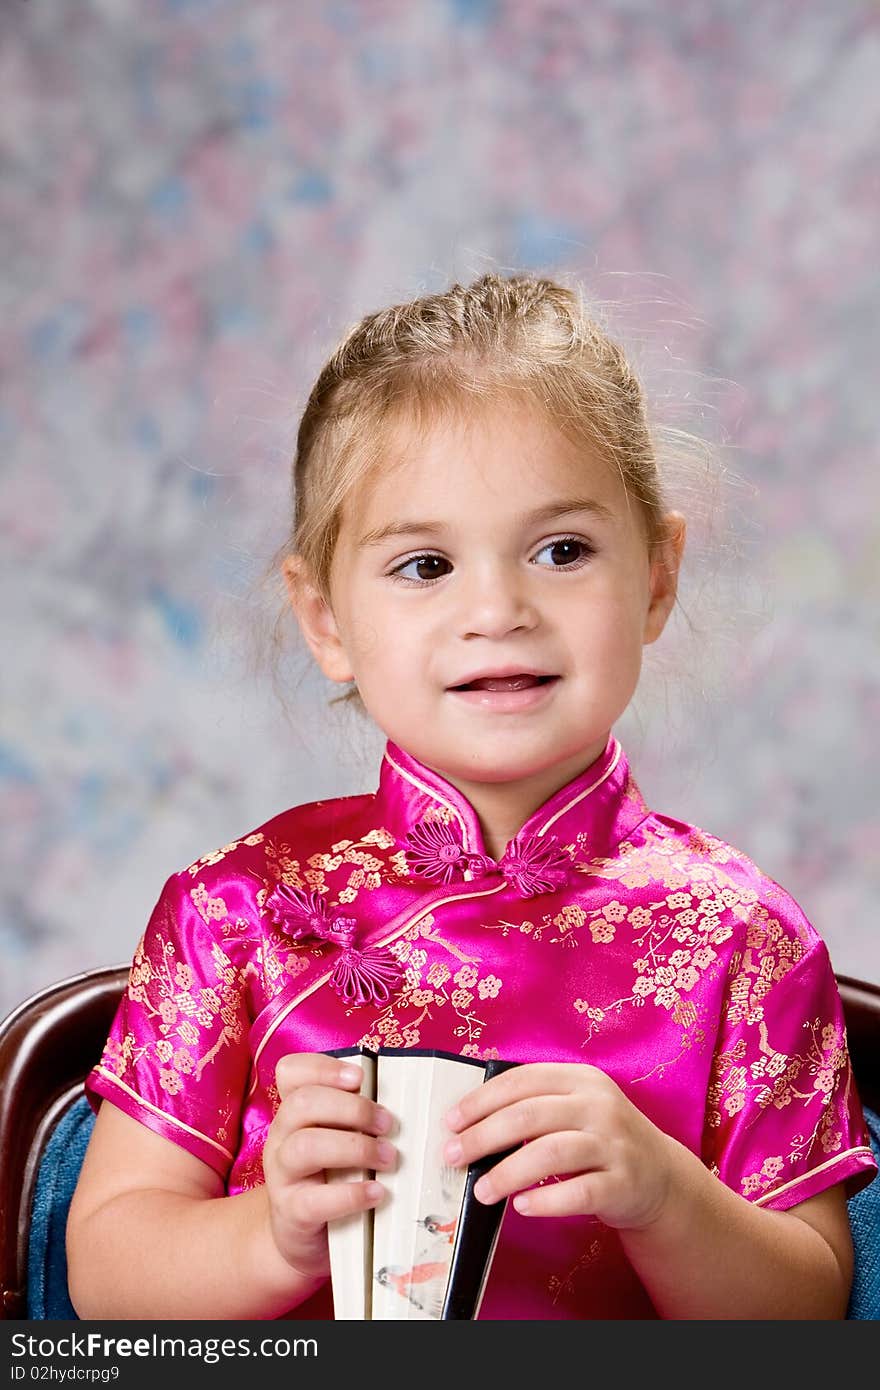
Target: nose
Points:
(496, 604)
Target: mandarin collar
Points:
(441, 842)
(593, 812)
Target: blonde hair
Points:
(451, 354)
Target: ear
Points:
(316, 621)
(665, 565)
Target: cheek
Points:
(383, 626)
(611, 607)
(628, 593)
(360, 626)
(384, 649)
(364, 640)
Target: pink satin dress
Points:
(606, 934)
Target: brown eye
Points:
(431, 566)
(423, 568)
(566, 552)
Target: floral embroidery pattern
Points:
(777, 1079)
(192, 1024)
(218, 854)
(425, 991)
(565, 1284)
(673, 940)
(368, 871)
(562, 926)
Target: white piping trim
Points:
(796, 1182)
(148, 1105)
(429, 791)
(580, 796)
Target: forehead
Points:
(503, 454)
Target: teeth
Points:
(504, 683)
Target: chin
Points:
(508, 769)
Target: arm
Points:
(700, 1249)
(151, 1234)
(199, 1254)
(713, 1254)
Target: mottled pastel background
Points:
(199, 196)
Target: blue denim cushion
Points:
(864, 1220)
(47, 1295)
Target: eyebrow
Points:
(550, 512)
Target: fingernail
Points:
(385, 1152)
(384, 1120)
(453, 1150)
(375, 1192)
(453, 1117)
(349, 1074)
(484, 1191)
(522, 1202)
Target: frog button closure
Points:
(359, 976)
(531, 864)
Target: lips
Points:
(522, 680)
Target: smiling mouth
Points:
(520, 682)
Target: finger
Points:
(316, 1069)
(312, 1205)
(557, 1156)
(306, 1152)
(316, 1106)
(577, 1196)
(517, 1123)
(530, 1079)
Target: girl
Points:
(481, 546)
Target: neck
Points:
(504, 807)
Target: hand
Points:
(570, 1119)
(321, 1124)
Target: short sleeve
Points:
(784, 1120)
(177, 1056)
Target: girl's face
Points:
(490, 594)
